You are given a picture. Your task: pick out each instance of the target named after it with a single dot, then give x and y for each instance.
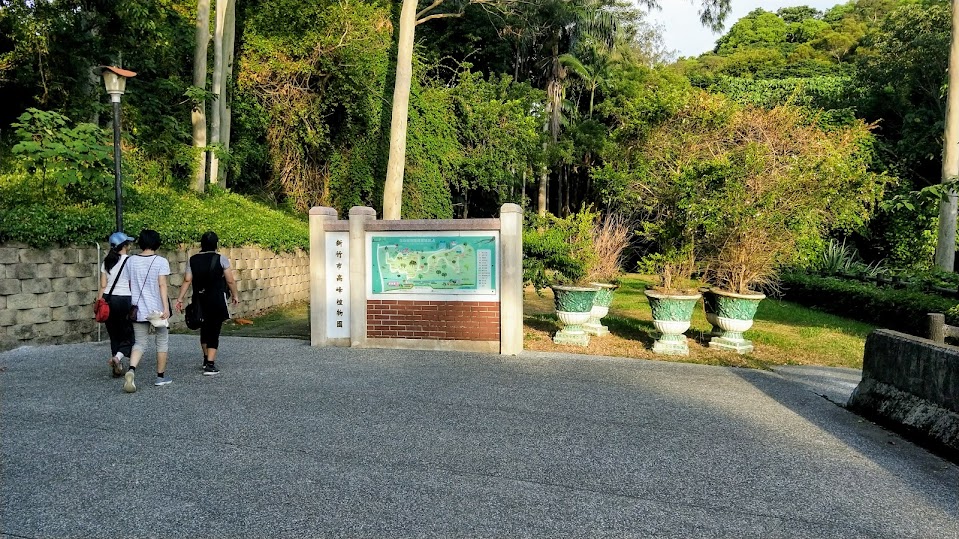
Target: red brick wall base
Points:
(440, 320)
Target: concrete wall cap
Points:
(509, 207)
(322, 210)
(362, 210)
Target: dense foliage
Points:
(52, 218)
(510, 101)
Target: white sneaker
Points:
(128, 384)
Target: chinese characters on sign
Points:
(338, 285)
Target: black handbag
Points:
(193, 315)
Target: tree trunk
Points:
(199, 80)
(554, 110)
(541, 199)
(226, 119)
(393, 188)
(217, 88)
(946, 240)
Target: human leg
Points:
(120, 339)
(212, 339)
(141, 331)
(163, 347)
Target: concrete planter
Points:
(604, 298)
(734, 315)
(671, 316)
(573, 307)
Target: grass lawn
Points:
(784, 333)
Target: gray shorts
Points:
(141, 331)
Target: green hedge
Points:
(903, 310)
(42, 219)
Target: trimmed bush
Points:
(179, 217)
(902, 309)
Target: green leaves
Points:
(72, 157)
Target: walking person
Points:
(115, 290)
(149, 273)
(211, 276)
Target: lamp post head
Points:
(115, 80)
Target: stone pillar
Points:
(319, 217)
(359, 216)
(511, 286)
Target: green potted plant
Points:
(574, 305)
(745, 262)
(555, 256)
(673, 301)
(610, 237)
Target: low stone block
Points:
(81, 298)
(34, 256)
(56, 328)
(89, 256)
(9, 287)
(63, 284)
(22, 301)
(86, 283)
(36, 286)
(61, 256)
(24, 270)
(9, 255)
(40, 315)
(7, 317)
(44, 271)
(52, 299)
(81, 270)
(22, 332)
(70, 313)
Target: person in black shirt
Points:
(211, 276)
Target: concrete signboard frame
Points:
(444, 284)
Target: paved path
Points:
(291, 441)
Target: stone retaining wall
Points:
(911, 385)
(46, 296)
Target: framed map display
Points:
(433, 263)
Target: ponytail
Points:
(111, 259)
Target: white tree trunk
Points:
(393, 188)
(217, 87)
(226, 119)
(946, 240)
(199, 80)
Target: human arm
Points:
(103, 285)
(163, 297)
(187, 279)
(231, 284)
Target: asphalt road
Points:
(294, 441)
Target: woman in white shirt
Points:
(115, 290)
(148, 284)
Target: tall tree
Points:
(409, 19)
(226, 118)
(199, 82)
(946, 239)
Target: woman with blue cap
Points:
(115, 290)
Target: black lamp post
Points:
(115, 80)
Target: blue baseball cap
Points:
(119, 238)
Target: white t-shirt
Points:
(123, 287)
(145, 272)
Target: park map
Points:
(433, 264)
